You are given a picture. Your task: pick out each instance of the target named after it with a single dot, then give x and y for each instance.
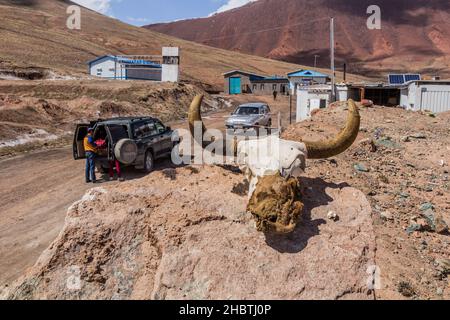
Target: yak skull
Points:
(273, 165)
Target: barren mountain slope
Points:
(414, 36)
(34, 34)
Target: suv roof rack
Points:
(132, 119)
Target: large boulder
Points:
(184, 234)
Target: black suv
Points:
(132, 141)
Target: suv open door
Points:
(78, 139)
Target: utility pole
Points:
(333, 69)
(345, 71)
(315, 60)
(290, 109)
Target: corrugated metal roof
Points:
(243, 72)
(100, 58)
(275, 78)
(138, 62)
(127, 61)
(307, 73)
(435, 82)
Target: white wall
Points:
(434, 97)
(171, 52)
(341, 93)
(296, 82)
(170, 72)
(107, 66)
(404, 99)
(307, 102)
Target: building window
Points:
(262, 87)
(100, 70)
(171, 60)
(274, 87)
(112, 69)
(255, 87)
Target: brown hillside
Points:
(414, 36)
(34, 34)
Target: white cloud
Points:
(102, 6)
(231, 4)
(138, 21)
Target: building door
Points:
(235, 85)
(323, 103)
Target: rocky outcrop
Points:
(184, 234)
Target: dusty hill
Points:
(41, 113)
(35, 40)
(414, 36)
(178, 234)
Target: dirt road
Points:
(36, 190)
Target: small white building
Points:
(171, 64)
(319, 96)
(138, 67)
(426, 95)
(302, 78)
(123, 68)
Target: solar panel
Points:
(403, 78)
(396, 79)
(412, 77)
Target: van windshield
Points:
(245, 111)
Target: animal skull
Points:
(273, 166)
(268, 156)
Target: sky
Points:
(142, 12)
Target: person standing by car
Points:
(91, 151)
(115, 163)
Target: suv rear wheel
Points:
(148, 161)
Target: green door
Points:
(235, 85)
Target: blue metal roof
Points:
(307, 73)
(254, 77)
(139, 62)
(275, 78)
(127, 61)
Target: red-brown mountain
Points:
(414, 35)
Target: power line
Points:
(266, 30)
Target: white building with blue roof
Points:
(138, 67)
(301, 78)
(123, 68)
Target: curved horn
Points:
(195, 115)
(343, 141)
